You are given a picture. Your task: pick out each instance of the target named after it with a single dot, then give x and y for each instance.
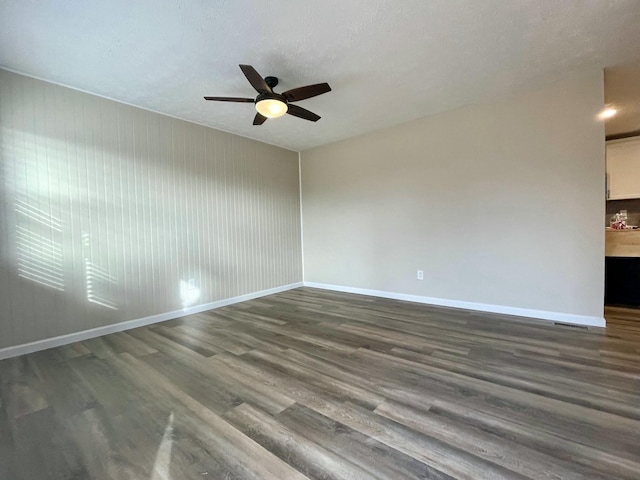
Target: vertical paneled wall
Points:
(111, 213)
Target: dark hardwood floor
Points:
(314, 384)
(623, 321)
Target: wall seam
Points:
(301, 215)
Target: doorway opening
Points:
(621, 118)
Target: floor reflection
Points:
(162, 465)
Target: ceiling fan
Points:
(272, 105)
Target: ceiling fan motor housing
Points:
(271, 81)
(270, 96)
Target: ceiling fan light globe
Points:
(271, 108)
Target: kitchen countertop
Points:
(622, 243)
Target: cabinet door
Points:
(623, 168)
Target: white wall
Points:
(500, 204)
(107, 211)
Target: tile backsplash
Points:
(632, 206)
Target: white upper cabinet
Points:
(623, 168)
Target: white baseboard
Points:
(481, 307)
(38, 345)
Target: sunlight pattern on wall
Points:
(161, 200)
(100, 284)
(37, 215)
(189, 294)
(38, 245)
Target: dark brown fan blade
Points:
(255, 79)
(259, 119)
(302, 93)
(297, 111)
(230, 99)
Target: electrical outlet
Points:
(192, 283)
(420, 275)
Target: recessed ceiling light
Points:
(608, 112)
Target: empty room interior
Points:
(320, 240)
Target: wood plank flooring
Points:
(624, 321)
(323, 385)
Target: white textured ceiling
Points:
(388, 61)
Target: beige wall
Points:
(105, 209)
(499, 204)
